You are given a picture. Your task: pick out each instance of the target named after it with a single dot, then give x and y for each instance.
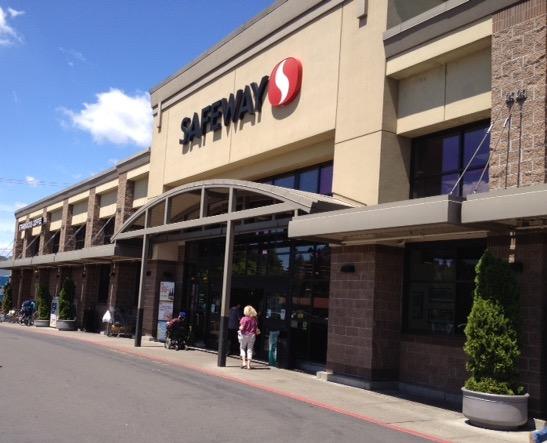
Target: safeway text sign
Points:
(287, 80)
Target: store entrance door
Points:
(268, 295)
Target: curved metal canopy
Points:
(210, 202)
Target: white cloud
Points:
(116, 118)
(8, 35)
(113, 161)
(31, 181)
(14, 13)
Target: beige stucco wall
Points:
(370, 162)
(455, 45)
(310, 115)
(166, 251)
(453, 93)
(55, 219)
(107, 204)
(79, 213)
(106, 187)
(140, 192)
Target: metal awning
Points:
(80, 256)
(524, 207)
(430, 217)
(160, 216)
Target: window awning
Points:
(421, 218)
(523, 208)
(93, 254)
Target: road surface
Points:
(60, 390)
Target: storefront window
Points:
(439, 159)
(184, 206)
(287, 181)
(55, 240)
(156, 215)
(439, 285)
(309, 180)
(79, 237)
(33, 246)
(317, 179)
(108, 231)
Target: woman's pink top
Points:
(248, 325)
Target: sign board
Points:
(54, 312)
(32, 224)
(167, 291)
(165, 308)
(281, 87)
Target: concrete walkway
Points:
(411, 417)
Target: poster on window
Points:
(165, 307)
(167, 291)
(165, 311)
(162, 331)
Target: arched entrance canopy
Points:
(211, 202)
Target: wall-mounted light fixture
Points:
(348, 268)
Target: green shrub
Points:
(66, 300)
(44, 303)
(492, 329)
(7, 302)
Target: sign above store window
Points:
(287, 79)
(32, 223)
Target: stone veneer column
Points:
(15, 285)
(530, 251)
(518, 63)
(93, 222)
(124, 203)
(66, 241)
(26, 242)
(45, 236)
(17, 242)
(155, 271)
(25, 288)
(365, 312)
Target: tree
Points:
(492, 343)
(7, 302)
(66, 300)
(44, 303)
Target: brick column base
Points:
(365, 312)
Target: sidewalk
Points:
(411, 417)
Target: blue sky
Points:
(74, 81)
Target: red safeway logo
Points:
(285, 81)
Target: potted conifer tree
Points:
(44, 307)
(66, 321)
(492, 396)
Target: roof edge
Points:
(105, 176)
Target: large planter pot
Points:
(66, 325)
(41, 323)
(495, 411)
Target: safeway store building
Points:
(341, 165)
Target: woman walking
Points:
(248, 328)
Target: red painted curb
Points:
(268, 389)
